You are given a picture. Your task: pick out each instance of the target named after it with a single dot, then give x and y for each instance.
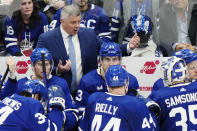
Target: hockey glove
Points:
(152, 105)
(56, 97)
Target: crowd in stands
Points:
(106, 26)
(66, 39)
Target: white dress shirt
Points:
(76, 43)
(182, 28)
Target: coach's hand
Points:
(62, 68)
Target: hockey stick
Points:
(44, 75)
(4, 76)
(44, 68)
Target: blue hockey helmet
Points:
(34, 87)
(110, 49)
(36, 90)
(116, 76)
(186, 55)
(174, 71)
(37, 55)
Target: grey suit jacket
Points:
(167, 33)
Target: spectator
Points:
(177, 100)
(97, 2)
(174, 22)
(24, 28)
(143, 26)
(119, 114)
(41, 4)
(25, 111)
(93, 17)
(193, 26)
(51, 7)
(86, 47)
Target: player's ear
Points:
(61, 20)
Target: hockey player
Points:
(8, 87)
(24, 28)
(93, 17)
(190, 59)
(25, 111)
(94, 81)
(114, 110)
(36, 62)
(177, 100)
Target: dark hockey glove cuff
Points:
(154, 107)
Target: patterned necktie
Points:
(72, 58)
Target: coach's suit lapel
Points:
(82, 47)
(60, 44)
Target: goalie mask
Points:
(116, 76)
(142, 25)
(174, 71)
(36, 90)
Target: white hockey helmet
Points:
(174, 71)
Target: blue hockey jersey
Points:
(71, 107)
(93, 82)
(95, 18)
(158, 84)
(117, 20)
(19, 113)
(109, 112)
(8, 89)
(178, 107)
(115, 27)
(26, 40)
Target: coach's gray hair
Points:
(70, 10)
